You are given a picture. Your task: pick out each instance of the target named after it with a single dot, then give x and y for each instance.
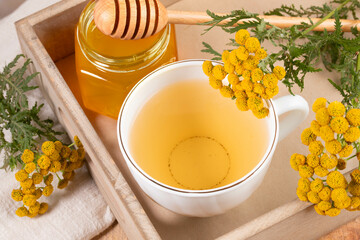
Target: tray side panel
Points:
(122, 201)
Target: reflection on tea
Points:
(188, 136)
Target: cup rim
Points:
(128, 158)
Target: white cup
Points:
(202, 203)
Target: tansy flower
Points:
(326, 133)
(64, 162)
(328, 162)
(250, 63)
(255, 103)
(322, 116)
(316, 147)
(355, 176)
(207, 67)
(332, 212)
(63, 183)
(48, 179)
(233, 79)
(252, 44)
(260, 54)
(302, 195)
(55, 166)
(47, 191)
(29, 190)
(234, 60)
(225, 91)
(43, 208)
(336, 180)
(259, 88)
(318, 104)
(34, 209)
(341, 164)
(339, 125)
(250, 93)
(318, 210)
(55, 156)
(293, 162)
(239, 69)
(37, 178)
(343, 204)
(272, 92)
(270, 80)
(336, 109)
(229, 68)
(21, 175)
(44, 172)
(333, 146)
(354, 188)
(316, 185)
(17, 195)
(22, 212)
(339, 195)
(32, 215)
(241, 53)
(352, 134)
(306, 171)
(315, 127)
(219, 72)
(313, 197)
(65, 151)
(247, 85)
(353, 116)
(240, 94)
(48, 148)
(27, 183)
(30, 167)
(246, 74)
(58, 146)
(279, 72)
(355, 203)
(29, 200)
(27, 156)
(307, 136)
(214, 83)
(257, 75)
(81, 153)
(312, 160)
(38, 193)
(304, 184)
(44, 162)
(262, 113)
(241, 36)
(324, 205)
(346, 151)
(224, 57)
(68, 175)
(325, 194)
(300, 159)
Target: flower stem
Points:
(324, 18)
(346, 159)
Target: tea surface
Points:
(188, 136)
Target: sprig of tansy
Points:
(332, 137)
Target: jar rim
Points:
(144, 58)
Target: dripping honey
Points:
(108, 68)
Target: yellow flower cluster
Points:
(331, 138)
(247, 82)
(35, 179)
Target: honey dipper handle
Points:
(192, 18)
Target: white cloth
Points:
(76, 212)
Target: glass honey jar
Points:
(108, 68)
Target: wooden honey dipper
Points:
(136, 19)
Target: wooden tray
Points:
(272, 212)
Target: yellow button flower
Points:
(353, 116)
(270, 80)
(241, 36)
(343, 204)
(325, 194)
(251, 63)
(48, 148)
(239, 69)
(318, 210)
(326, 133)
(34, 209)
(21, 175)
(29, 200)
(355, 176)
(341, 164)
(233, 59)
(324, 205)
(242, 53)
(272, 92)
(339, 195)
(336, 109)
(47, 191)
(48, 179)
(22, 212)
(207, 67)
(58, 146)
(27, 156)
(333, 146)
(336, 180)
(233, 79)
(214, 83)
(37, 178)
(225, 56)
(352, 134)
(252, 44)
(333, 212)
(259, 88)
(63, 183)
(17, 195)
(43, 208)
(307, 136)
(65, 150)
(262, 113)
(240, 94)
(328, 162)
(55, 166)
(225, 91)
(354, 188)
(302, 195)
(318, 104)
(306, 171)
(313, 197)
(241, 104)
(55, 156)
(30, 167)
(346, 151)
(355, 203)
(247, 85)
(44, 162)
(38, 193)
(257, 75)
(255, 103)
(316, 147)
(260, 54)
(27, 183)
(279, 72)
(229, 68)
(339, 125)
(30, 190)
(68, 175)
(293, 162)
(44, 172)
(312, 160)
(321, 171)
(219, 72)
(300, 159)
(315, 127)
(304, 185)
(322, 116)
(316, 185)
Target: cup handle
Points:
(296, 109)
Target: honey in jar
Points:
(108, 68)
